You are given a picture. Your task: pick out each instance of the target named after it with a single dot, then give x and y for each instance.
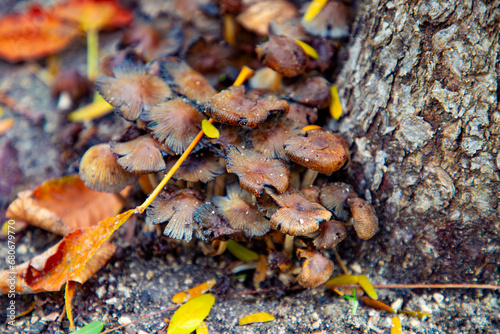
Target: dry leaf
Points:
(34, 34)
(63, 205)
(197, 291)
(190, 315)
(256, 317)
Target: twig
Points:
(140, 319)
(341, 263)
(424, 286)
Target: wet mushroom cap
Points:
(331, 233)
(241, 213)
(334, 197)
(270, 137)
(319, 150)
(235, 106)
(132, 89)
(314, 92)
(255, 171)
(176, 207)
(365, 221)
(175, 123)
(283, 55)
(100, 171)
(140, 155)
(297, 216)
(199, 167)
(316, 270)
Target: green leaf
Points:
(241, 252)
(92, 328)
(256, 317)
(367, 286)
(190, 315)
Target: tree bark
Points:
(420, 93)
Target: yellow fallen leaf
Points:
(309, 50)
(256, 317)
(91, 111)
(419, 315)
(311, 127)
(241, 252)
(6, 124)
(190, 315)
(198, 290)
(396, 326)
(209, 129)
(335, 106)
(343, 280)
(202, 328)
(367, 286)
(314, 8)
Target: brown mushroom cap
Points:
(140, 155)
(257, 16)
(334, 197)
(187, 81)
(132, 89)
(255, 171)
(283, 55)
(202, 166)
(235, 106)
(297, 215)
(241, 213)
(228, 135)
(316, 270)
(100, 171)
(364, 217)
(176, 207)
(314, 92)
(319, 150)
(302, 114)
(311, 193)
(175, 123)
(270, 137)
(333, 21)
(210, 225)
(331, 233)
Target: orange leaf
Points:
(34, 34)
(63, 205)
(198, 290)
(94, 14)
(376, 304)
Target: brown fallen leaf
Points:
(63, 205)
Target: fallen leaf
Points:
(96, 109)
(7, 124)
(396, 326)
(314, 8)
(367, 286)
(376, 304)
(419, 315)
(92, 328)
(343, 280)
(241, 252)
(256, 317)
(190, 315)
(309, 50)
(192, 293)
(94, 14)
(33, 34)
(202, 328)
(335, 106)
(63, 205)
(209, 129)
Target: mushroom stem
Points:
(229, 29)
(308, 178)
(220, 185)
(92, 53)
(288, 246)
(152, 179)
(68, 296)
(277, 82)
(221, 249)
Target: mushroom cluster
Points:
(270, 170)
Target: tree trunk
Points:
(420, 92)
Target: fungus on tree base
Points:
(132, 90)
(365, 221)
(255, 171)
(316, 269)
(239, 210)
(100, 171)
(283, 55)
(177, 208)
(140, 155)
(236, 106)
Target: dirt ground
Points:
(147, 270)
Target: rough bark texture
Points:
(420, 90)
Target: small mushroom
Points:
(316, 269)
(333, 21)
(314, 92)
(255, 171)
(257, 16)
(100, 171)
(236, 106)
(331, 233)
(283, 55)
(140, 155)
(175, 123)
(239, 209)
(365, 220)
(302, 114)
(200, 167)
(270, 136)
(296, 216)
(132, 89)
(177, 208)
(210, 225)
(334, 197)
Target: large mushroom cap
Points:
(235, 106)
(255, 171)
(140, 155)
(132, 89)
(364, 217)
(100, 171)
(316, 270)
(283, 55)
(319, 150)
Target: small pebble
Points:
(356, 267)
(150, 274)
(101, 291)
(111, 301)
(22, 249)
(438, 297)
(124, 320)
(396, 305)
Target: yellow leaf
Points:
(367, 286)
(190, 315)
(256, 317)
(314, 8)
(241, 252)
(311, 127)
(309, 50)
(202, 328)
(209, 129)
(343, 280)
(419, 315)
(198, 290)
(91, 111)
(396, 326)
(335, 106)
